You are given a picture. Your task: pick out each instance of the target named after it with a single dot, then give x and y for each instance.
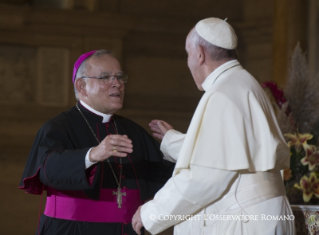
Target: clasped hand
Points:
(111, 145)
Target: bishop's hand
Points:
(159, 128)
(111, 145)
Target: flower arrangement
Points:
(297, 109)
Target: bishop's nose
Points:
(115, 82)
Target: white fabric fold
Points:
(178, 196)
(248, 133)
(218, 72)
(171, 144)
(228, 162)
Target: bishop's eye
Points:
(119, 76)
(106, 77)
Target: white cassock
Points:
(228, 165)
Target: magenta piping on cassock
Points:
(35, 186)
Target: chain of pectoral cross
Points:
(118, 193)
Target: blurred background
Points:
(41, 39)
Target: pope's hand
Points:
(137, 223)
(112, 145)
(159, 128)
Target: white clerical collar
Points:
(106, 117)
(217, 72)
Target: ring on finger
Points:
(114, 149)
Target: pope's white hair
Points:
(216, 53)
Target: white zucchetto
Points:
(217, 32)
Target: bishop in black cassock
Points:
(85, 201)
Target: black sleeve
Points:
(55, 162)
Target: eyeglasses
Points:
(122, 78)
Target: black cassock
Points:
(57, 161)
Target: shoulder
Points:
(240, 81)
(62, 120)
(124, 120)
(239, 92)
(131, 128)
(236, 86)
(127, 124)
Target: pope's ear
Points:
(80, 86)
(201, 55)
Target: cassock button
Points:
(124, 187)
(119, 165)
(123, 177)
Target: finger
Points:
(162, 127)
(100, 153)
(138, 230)
(159, 136)
(136, 225)
(116, 154)
(123, 149)
(120, 137)
(117, 143)
(117, 137)
(152, 124)
(156, 129)
(134, 222)
(168, 126)
(154, 121)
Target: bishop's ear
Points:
(80, 84)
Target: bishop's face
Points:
(193, 62)
(102, 96)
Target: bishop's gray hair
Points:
(83, 68)
(216, 53)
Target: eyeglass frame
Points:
(112, 76)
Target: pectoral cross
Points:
(119, 195)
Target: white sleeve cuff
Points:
(88, 163)
(168, 201)
(184, 194)
(171, 144)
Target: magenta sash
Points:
(76, 206)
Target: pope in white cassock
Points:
(228, 164)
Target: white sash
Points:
(247, 190)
